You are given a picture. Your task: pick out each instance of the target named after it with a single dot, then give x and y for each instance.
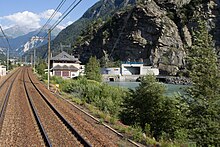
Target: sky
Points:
(34, 13)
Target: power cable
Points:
(51, 17)
(59, 20)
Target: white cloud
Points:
(26, 18)
(47, 14)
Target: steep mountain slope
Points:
(102, 9)
(157, 32)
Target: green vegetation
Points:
(92, 70)
(158, 116)
(204, 95)
(40, 69)
(103, 96)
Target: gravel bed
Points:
(57, 132)
(19, 127)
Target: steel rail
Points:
(67, 124)
(37, 118)
(8, 78)
(4, 106)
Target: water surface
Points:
(171, 88)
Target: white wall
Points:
(2, 70)
(126, 69)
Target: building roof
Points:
(63, 56)
(65, 67)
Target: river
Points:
(171, 89)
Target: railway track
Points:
(61, 132)
(36, 117)
(5, 90)
(98, 133)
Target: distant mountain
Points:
(17, 31)
(23, 43)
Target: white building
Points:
(129, 71)
(2, 70)
(65, 65)
(137, 68)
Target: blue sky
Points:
(34, 13)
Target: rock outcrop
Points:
(144, 32)
(157, 31)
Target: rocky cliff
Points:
(157, 32)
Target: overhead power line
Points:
(52, 16)
(65, 15)
(66, 12)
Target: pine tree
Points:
(204, 95)
(92, 70)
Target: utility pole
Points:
(48, 57)
(7, 61)
(34, 59)
(31, 60)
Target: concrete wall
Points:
(131, 69)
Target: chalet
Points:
(65, 65)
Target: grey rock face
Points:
(145, 33)
(157, 31)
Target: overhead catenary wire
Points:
(66, 12)
(48, 21)
(52, 16)
(65, 15)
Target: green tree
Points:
(41, 67)
(148, 105)
(92, 70)
(204, 95)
